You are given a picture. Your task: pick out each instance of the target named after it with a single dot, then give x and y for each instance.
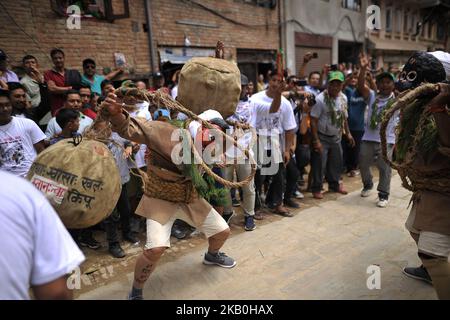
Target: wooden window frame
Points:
(108, 11)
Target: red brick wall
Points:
(168, 33)
(100, 39)
(96, 39)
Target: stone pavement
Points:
(321, 253)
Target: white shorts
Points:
(158, 235)
(429, 242)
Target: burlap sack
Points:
(81, 182)
(210, 83)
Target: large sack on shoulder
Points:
(210, 83)
(81, 182)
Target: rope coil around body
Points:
(161, 99)
(402, 104)
(415, 179)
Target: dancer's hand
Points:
(111, 107)
(128, 151)
(443, 97)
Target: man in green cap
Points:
(328, 124)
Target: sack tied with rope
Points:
(207, 83)
(80, 179)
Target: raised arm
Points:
(220, 50)
(113, 74)
(363, 89)
(306, 59)
(276, 103)
(306, 109)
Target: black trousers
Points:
(129, 222)
(328, 164)
(290, 177)
(274, 196)
(351, 155)
(302, 156)
(81, 233)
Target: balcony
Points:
(423, 4)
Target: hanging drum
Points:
(81, 181)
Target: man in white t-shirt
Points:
(73, 101)
(18, 96)
(37, 251)
(20, 140)
(371, 142)
(273, 118)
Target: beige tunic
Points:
(157, 136)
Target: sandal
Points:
(282, 211)
(259, 215)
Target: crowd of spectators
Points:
(317, 127)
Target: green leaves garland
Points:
(203, 183)
(376, 114)
(337, 116)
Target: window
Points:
(389, 19)
(352, 4)
(272, 4)
(96, 9)
(412, 24)
(440, 32)
(398, 21)
(405, 22)
(430, 30)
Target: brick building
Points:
(400, 34)
(250, 32)
(179, 29)
(34, 27)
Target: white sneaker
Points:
(366, 192)
(382, 203)
(299, 195)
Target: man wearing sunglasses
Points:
(94, 80)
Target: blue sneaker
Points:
(249, 223)
(220, 259)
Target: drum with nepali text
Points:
(81, 181)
